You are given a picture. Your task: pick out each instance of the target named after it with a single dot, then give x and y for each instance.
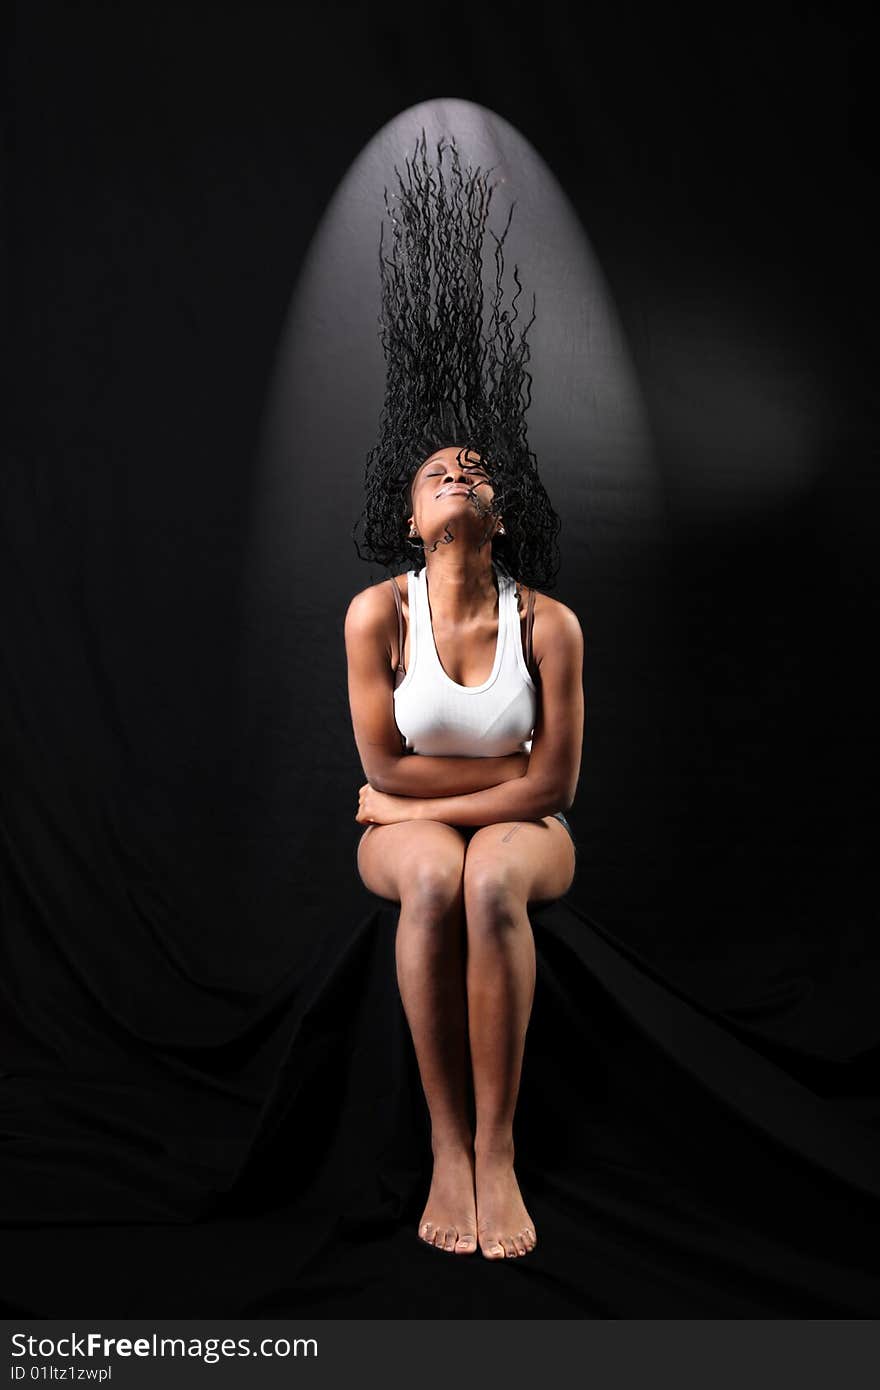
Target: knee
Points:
(432, 888)
(492, 894)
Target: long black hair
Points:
(449, 382)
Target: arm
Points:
(422, 776)
(371, 697)
(550, 783)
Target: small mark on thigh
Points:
(511, 832)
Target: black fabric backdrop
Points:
(208, 1098)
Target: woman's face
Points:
(451, 484)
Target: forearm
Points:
(418, 775)
(520, 799)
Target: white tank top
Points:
(439, 717)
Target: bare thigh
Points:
(411, 856)
(532, 860)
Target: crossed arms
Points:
(469, 791)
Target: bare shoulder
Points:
(371, 609)
(556, 617)
(555, 625)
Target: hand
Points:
(381, 808)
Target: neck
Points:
(461, 583)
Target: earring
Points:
(501, 531)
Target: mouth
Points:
(452, 487)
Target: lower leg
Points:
(500, 990)
(429, 951)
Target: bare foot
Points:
(449, 1220)
(504, 1226)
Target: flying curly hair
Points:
(449, 382)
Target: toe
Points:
(466, 1244)
(519, 1245)
(492, 1248)
(449, 1239)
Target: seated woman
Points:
(466, 696)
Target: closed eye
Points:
(481, 471)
